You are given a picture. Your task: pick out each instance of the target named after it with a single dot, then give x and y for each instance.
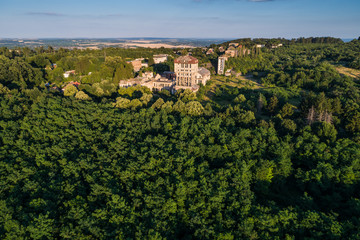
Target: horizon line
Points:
(200, 38)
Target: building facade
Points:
(69, 73)
(169, 75)
(210, 51)
(186, 69)
(221, 65)
(136, 64)
(231, 52)
(160, 58)
(155, 84)
(187, 75)
(202, 76)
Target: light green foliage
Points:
(57, 75)
(186, 95)
(82, 96)
(265, 171)
(70, 90)
(33, 94)
(261, 103)
(246, 64)
(208, 109)
(146, 98)
(287, 110)
(179, 106)
(353, 123)
(326, 131)
(104, 88)
(85, 64)
(134, 104)
(122, 102)
(240, 98)
(119, 68)
(168, 106)
(194, 108)
(135, 91)
(126, 91)
(158, 103)
(288, 125)
(246, 117)
(41, 227)
(94, 77)
(273, 103)
(106, 72)
(4, 89)
(122, 72)
(67, 63)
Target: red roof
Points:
(186, 59)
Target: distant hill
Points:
(111, 42)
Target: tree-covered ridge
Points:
(98, 162)
(271, 41)
(91, 171)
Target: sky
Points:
(179, 18)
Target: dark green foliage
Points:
(39, 61)
(18, 74)
(247, 64)
(108, 163)
(151, 61)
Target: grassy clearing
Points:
(246, 84)
(239, 82)
(348, 71)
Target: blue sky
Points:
(179, 18)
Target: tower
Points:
(186, 68)
(221, 65)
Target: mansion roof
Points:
(186, 59)
(204, 72)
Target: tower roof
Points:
(186, 59)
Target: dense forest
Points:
(280, 161)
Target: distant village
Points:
(186, 75)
